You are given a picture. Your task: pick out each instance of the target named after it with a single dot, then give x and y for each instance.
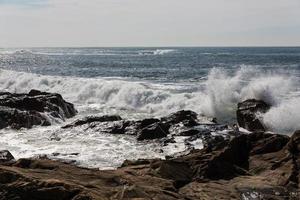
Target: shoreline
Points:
(232, 164)
(261, 164)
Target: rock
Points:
(257, 164)
(90, 119)
(146, 122)
(294, 143)
(6, 156)
(269, 144)
(189, 118)
(27, 110)
(189, 132)
(153, 131)
(178, 171)
(247, 114)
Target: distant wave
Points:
(156, 52)
(217, 54)
(96, 52)
(217, 96)
(16, 52)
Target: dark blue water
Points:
(170, 64)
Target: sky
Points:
(105, 23)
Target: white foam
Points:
(284, 117)
(84, 52)
(216, 96)
(156, 52)
(88, 148)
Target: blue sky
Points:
(149, 23)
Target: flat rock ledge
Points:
(35, 108)
(249, 166)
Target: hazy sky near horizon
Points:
(149, 23)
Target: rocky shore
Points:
(231, 165)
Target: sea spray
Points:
(215, 96)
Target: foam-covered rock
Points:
(248, 114)
(34, 108)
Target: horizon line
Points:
(168, 46)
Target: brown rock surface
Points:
(254, 166)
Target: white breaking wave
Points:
(83, 52)
(156, 52)
(216, 96)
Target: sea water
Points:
(136, 83)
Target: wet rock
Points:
(294, 143)
(27, 110)
(189, 132)
(248, 114)
(270, 144)
(5, 156)
(153, 131)
(189, 118)
(255, 165)
(91, 119)
(146, 122)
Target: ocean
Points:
(146, 82)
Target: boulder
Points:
(5, 156)
(91, 119)
(248, 114)
(146, 122)
(189, 118)
(153, 131)
(27, 110)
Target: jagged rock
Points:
(257, 164)
(294, 143)
(91, 119)
(189, 132)
(153, 131)
(5, 156)
(146, 122)
(27, 110)
(189, 118)
(247, 114)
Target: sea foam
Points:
(215, 96)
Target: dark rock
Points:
(91, 119)
(153, 131)
(178, 171)
(294, 143)
(230, 162)
(247, 114)
(5, 156)
(270, 144)
(189, 132)
(187, 117)
(146, 122)
(27, 110)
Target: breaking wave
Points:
(216, 96)
(86, 52)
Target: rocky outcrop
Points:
(249, 166)
(187, 117)
(248, 114)
(27, 110)
(153, 131)
(6, 156)
(181, 123)
(91, 119)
